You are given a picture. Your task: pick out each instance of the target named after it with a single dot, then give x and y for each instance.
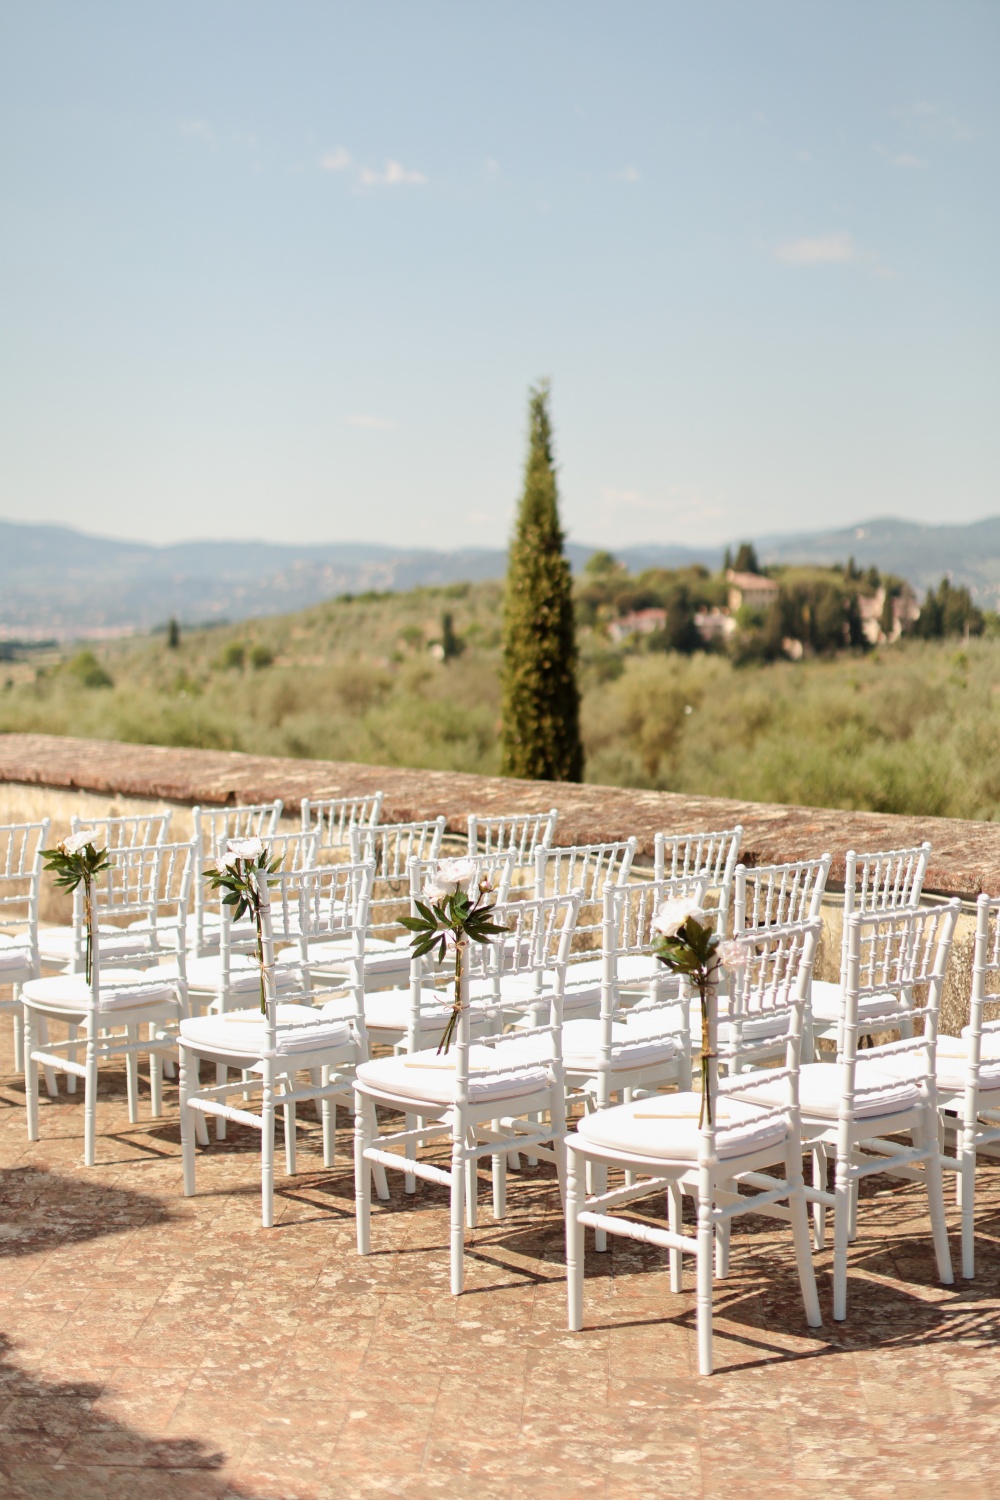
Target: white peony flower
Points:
(78, 841)
(437, 890)
(246, 848)
(456, 871)
(672, 915)
(733, 953)
(225, 864)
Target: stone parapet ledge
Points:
(965, 861)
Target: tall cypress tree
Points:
(541, 700)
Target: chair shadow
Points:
(43, 1210)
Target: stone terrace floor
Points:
(171, 1349)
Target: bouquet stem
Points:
(456, 1010)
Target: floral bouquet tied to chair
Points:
(75, 862)
(450, 918)
(241, 872)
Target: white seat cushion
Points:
(389, 1010)
(827, 1003)
(242, 1032)
(429, 1076)
(122, 989)
(13, 961)
(582, 1047)
(341, 950)
(820, 1092)
(666, 1128)
(952, 1063)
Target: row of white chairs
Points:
(516, 1012)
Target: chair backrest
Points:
(537, 942)
(895, 953)
(213, 827)
(334, 817)
(586, 867)
(985, 961)
(778, 895)
(391, 846)
(890, 880)
(325, 901)
(126, 832)
(145, 890)
(679, 856)
(295, 850)
(21, 846)
(498, 867)
(523, 831)
(767, 995)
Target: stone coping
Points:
(965, 861)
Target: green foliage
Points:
(746, 559)
(541, 698)
(949, 611)
(88, 671)
(260, 657)
(452, 645)
(234, 656)
(173, 634)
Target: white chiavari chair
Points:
(489, 833)
(709, 855)
(675, 1146)
(390, 847)
(849, 1109)
(332, 818)
(483, 1098)
(150, 883)
(64, 945)
(213, 827)
(891, 880)
(968, 1078)
(293, 1034)
(21, 846)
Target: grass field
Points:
(907, 728)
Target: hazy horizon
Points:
(271, 268)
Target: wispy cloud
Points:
(904, 159)
(630, 174)
(364, 419)
(336, 161)
(394, 175)
(823, 250)
(197, 130)
(933, 121)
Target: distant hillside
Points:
(56, 581)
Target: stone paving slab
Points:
(158, 1348)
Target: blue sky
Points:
(288, 269)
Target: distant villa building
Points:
(750, 589)
(714, 624)
(639, 622)
(905, 612)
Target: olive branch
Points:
(452, 921)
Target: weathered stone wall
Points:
(49, 775)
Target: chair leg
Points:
(291, 1155)
(841, 1231)
(410, 1122)
(675, 1222)
(599, 1185)
(574, 1243)
(499, 1176)
(457, 1237)
(221, 1076)
(935, 1200)
(471, 1184)
(155, 1078)
(71, 1032)
(30, 1075)
(51, 1082)
(187, 1125)
(132, 1076)
(706, 1246)
(328, 1116)
(966, 1179)
(18, 1037)
(819, 1180)
(799, 1215)
(267, 1148)
(90, 1102)
(364, 1123)
(722, 1239)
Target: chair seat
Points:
(205, 974)
(123, 989)
(820, 1092)
(57, 945)
(952, 1063)
(518, 990)
(14, 961)
(389, 1010)
(666, 1128)
(827, 1003)
(428, 1076)
(241, 1033)
(581, 1046)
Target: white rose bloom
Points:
(456, 871)
(78, 841)
(246, 848)
(673, 914)
(733, 954)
